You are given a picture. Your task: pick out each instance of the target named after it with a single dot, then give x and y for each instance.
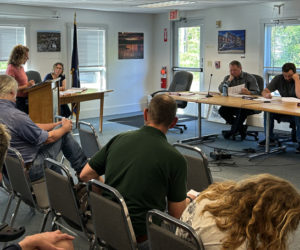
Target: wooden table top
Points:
(86, 95)
(275, 106)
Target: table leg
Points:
(200, 138)
(101, 113)
(267, 145)
(77, 113)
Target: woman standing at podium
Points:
(58, 70)
(18, 57)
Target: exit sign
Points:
(174, 15)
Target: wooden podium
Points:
(43, 101)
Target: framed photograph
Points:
(213, 114)
(131, 45)
(48, 41)
(231, 41)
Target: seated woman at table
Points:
(18, 57)
(58, 70)
(256, 213)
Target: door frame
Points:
(185, 22)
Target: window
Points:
(282, 45)
(9, 37)
(91, 56)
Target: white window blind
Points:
(9, 37)
(91, 47)
(91, 56)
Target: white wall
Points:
(131, 80)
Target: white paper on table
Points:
(72, 91)
(262, 99)
(182, 93)
(290, 99)
(236, 89)
(237, 95)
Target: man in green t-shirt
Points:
(144, 167)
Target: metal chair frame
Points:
(89, 153)
(57, 215)
(203, 158)
(161, 216)
(26, 193)
(119, 200)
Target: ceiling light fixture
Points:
(164, 4)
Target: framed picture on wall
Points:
(48, 41)
(131, 45)
(231, 41)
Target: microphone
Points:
(208, 94)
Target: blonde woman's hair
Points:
(4, 143)
(17, 55)
(261, 210)
(8, 84)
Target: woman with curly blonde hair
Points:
(18, 57)
(255, 213)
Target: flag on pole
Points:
(75, 64)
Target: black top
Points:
(284, 87)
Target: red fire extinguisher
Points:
(163, 77)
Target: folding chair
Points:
(198, 173)
(5, 187)
(33, 194)
(88, 138)
(161, 237)
(64, 205)
(110, 217)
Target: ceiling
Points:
(131, 5)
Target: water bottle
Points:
(225, 89)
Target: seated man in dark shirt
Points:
(236, 116)
(35, 142)
(288, 85)
(144, 167)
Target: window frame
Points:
(268, 69)
(70, 27)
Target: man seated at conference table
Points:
(288, 85)
(236, 116)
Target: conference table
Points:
(86, 95)
(268, 106)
